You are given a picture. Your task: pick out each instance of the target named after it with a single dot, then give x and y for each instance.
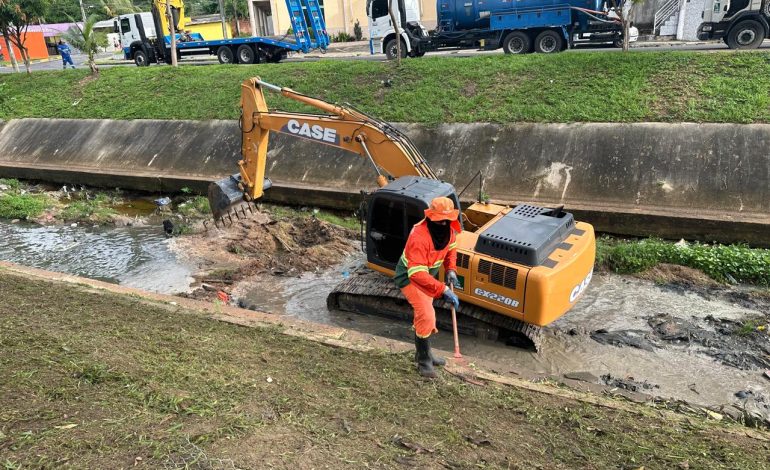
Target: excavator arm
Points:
(390, 152)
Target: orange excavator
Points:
(520, 268)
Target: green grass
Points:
(98, 209)
(342, 219)
(97, 380)
(16, 203)
(593, 86)
(196, 206)
(724, 263)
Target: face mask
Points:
(439, 233)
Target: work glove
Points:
(451, 279)
(450, 297)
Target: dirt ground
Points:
(97, 380)
(262, 245)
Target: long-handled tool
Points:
(454, 328)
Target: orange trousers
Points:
(424, 314)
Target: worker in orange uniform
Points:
(431, 243)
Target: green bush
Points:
(12, 183)
(724, 263)
(22, 206)
(357, 32)
(99, 209)
(342, 37)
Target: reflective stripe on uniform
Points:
(452, 246)
(438, 263)
(416, 269)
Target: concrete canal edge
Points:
(472, 370)
(699, 181)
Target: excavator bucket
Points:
(227, 194)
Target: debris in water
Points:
(582, 377)
(628, 383)
(164, 201)
(634, 338)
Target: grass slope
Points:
(103, 381)
(571, 87)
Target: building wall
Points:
(210, 31)
(35, 44)
(341, 15)
(690, 18)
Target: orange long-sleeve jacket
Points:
(420, 262)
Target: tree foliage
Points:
(87, 40)
(15, 18)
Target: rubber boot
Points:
(424, 361)
(436, 360)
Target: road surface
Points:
(359, 52)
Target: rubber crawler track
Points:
(375, 294)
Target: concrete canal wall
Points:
(702, 181)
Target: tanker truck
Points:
(516, 26)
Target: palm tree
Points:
(87, 40)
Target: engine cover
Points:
(526, 235)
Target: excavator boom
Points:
(390, 152)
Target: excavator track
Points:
(372, 293)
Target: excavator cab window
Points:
(387, 232)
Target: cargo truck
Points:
(741, 24)
(516, 26)
(145, 37)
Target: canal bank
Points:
(180, 388)
(707, 182)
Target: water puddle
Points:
(131, 256)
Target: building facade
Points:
(340, 16)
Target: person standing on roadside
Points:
(431, 244)
(66, 54)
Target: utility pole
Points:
(172, 32)
(222, 16)
(82, 12)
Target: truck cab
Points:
(382, 34)
(132, 28)
(741, 24)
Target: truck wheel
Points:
(391, 49)
(140, 59)
(517, 42)
(548, 42)
(747, 34)
(245, 54)
(225, 55)
(766, 9)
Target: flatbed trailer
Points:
(141, 42)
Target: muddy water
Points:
(612, 302)
(131, 256)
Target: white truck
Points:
(741, 24)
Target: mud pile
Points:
(263, 245)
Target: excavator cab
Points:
(392, 212)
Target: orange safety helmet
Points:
(443, 208)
